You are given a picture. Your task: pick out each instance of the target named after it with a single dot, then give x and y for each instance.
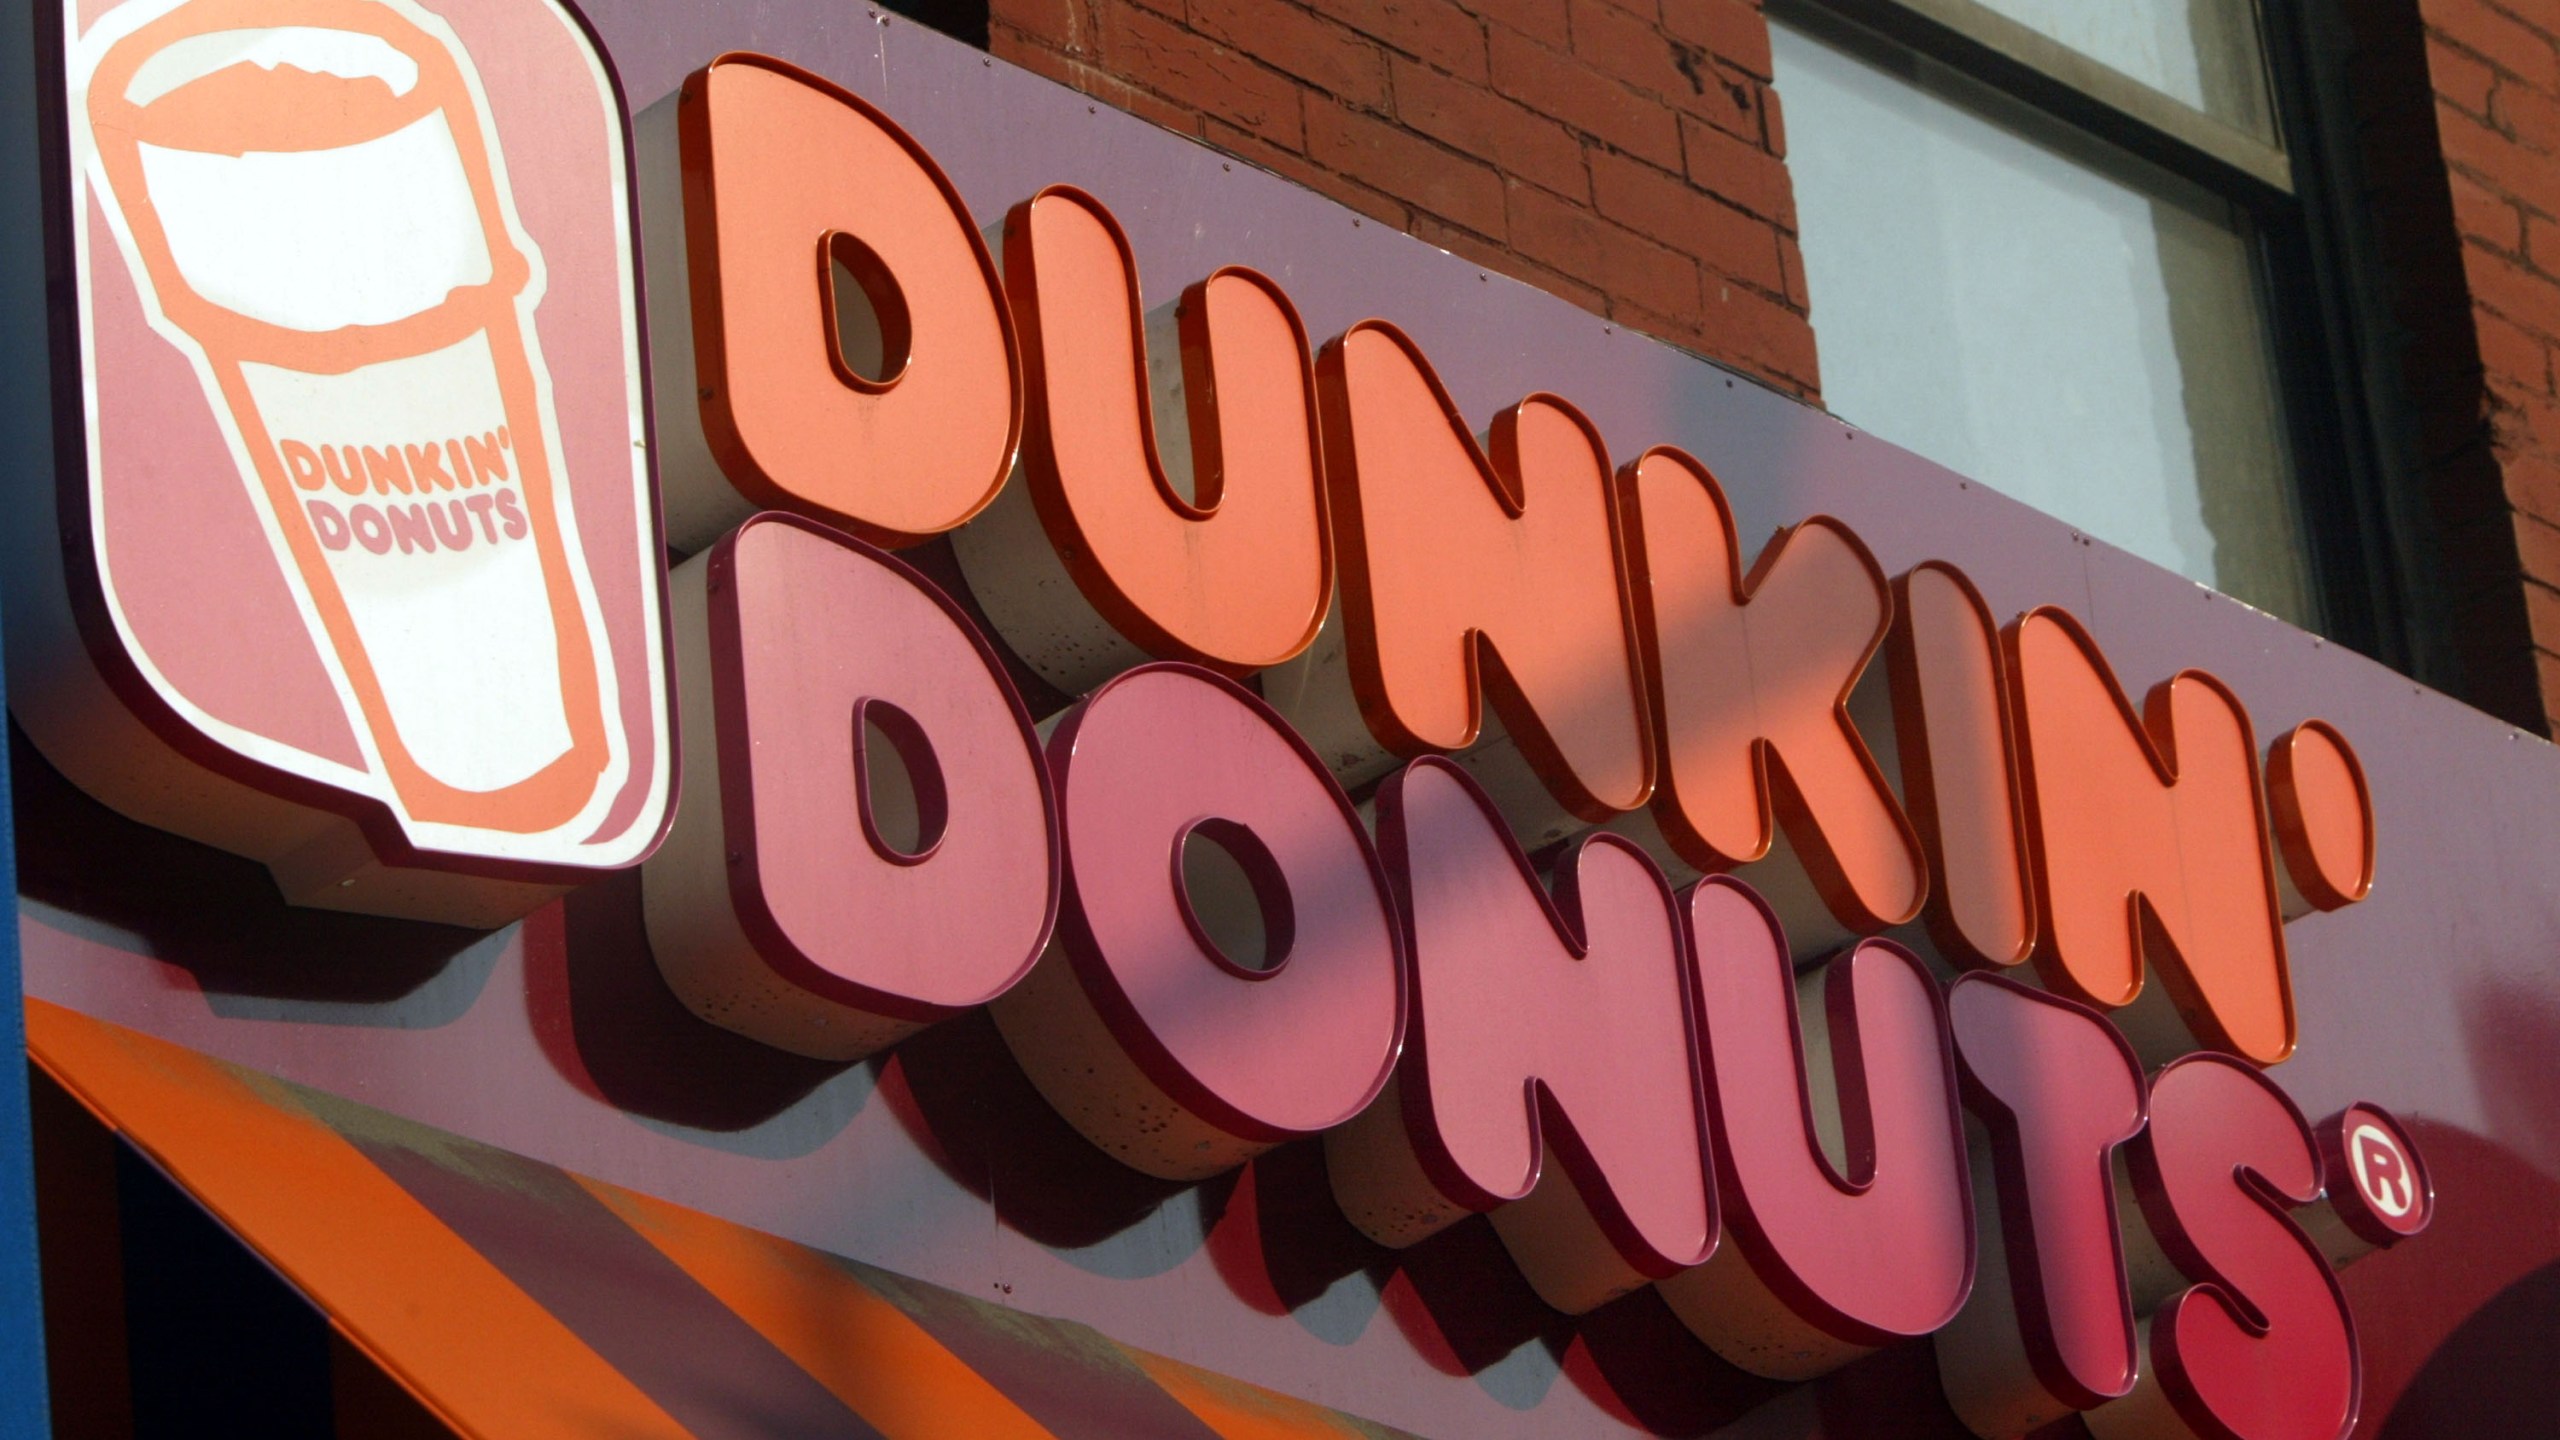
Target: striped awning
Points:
(518, 1300)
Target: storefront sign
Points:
(359, 575)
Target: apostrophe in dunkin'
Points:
(368, 495)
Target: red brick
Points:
(2497, 38)
(2532, 484)
(1636, 51)
(1439, 32)
(1739, 171)
(1058, 24)
(2542, 613)
(1483, 124)
(1583, 98)
(2531, 14)
(1733, 32)
(1029, 53)
(1759, 334)
(2516, 414)
(2538, 549)
(2460, 77)
(1189, 68)
(2530, 115)
(2541, 237)
(1111, 90)
(2511, 353)
(1733, 104)
(1350, 193)
(1773, 122)
(1496, 259)
(1666, 208)
(1394, 160)
(1540, 20)
(1625, 264)
(1286, 36)
(1686, 334)
(2491, 219)
(2499, 284)
(1791, 261)
(1466, 244)
(2498, 162)
(2519, 420)
(1256, 151)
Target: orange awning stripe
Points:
(519, 1302)
(434, 1313)
(867, 1352)
(1239, 1411)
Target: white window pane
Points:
(2059, 325)
(2204, 52)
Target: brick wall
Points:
(1624, 156)
(2459, 107)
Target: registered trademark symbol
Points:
(2382, 1171)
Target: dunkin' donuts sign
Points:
(1846, 961)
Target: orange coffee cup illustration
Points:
(313, 197)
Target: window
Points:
(2058, 246)
(2204, 55)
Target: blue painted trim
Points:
(25, 335)
(24, 1408)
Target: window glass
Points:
(2204, 52)
(2041, 315)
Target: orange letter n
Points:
(1466, 577)
(2150, 846)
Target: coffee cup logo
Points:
(313, 202)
